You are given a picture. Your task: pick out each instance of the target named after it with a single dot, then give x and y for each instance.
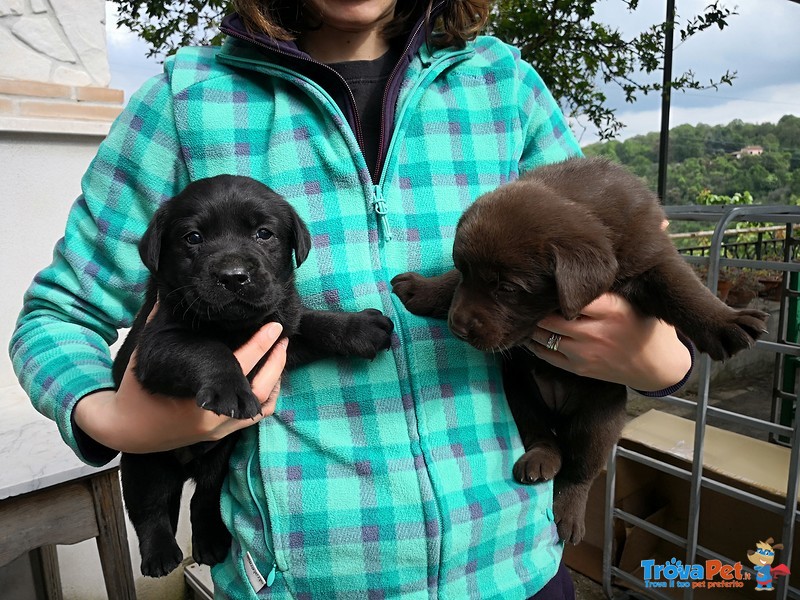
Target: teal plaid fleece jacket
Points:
(382, 479)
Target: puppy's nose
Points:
(458, 331)
(233, 278)
(462, 326)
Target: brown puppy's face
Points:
(499, 302)
(524, 253)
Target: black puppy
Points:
(220, 258)
(553, 241)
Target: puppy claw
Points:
(569, 507)
(416, 293)
(229, 395)
(161, 562)
(571, 531)
(369, 332)
(541, 463)
(737, 331)
(210, 555)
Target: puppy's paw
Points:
(540, 463)
(571, 528)
(229, 395)
(738, 331)
(569, 508)
(417, 294)
(369, 332)
(210, 547)
(159, 560)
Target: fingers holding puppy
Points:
(266, 351)
(266, 382)
(134, 420)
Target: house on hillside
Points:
(749, 151)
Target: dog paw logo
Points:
(762, 558)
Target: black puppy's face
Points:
(222, 249)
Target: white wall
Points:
(40, 177)
(39, 180)
(60, 41)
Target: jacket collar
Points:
(242, 42)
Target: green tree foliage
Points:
(577, 55)
(704, 161)
(167, 26)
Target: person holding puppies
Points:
(380, 122)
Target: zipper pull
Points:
(379, 205)
(254, 576)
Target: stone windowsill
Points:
(36, 107)
(54, 126)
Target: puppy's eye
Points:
(507, 288)
(263, 234)
(193, 238)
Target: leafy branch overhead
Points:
(577, 55)
(167, 26)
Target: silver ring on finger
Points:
(552, 342)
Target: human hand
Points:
(136, 421)
(611, 341)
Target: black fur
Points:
(220, 257)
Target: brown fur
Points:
(553, 241)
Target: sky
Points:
(761, 44)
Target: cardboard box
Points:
(727, 526)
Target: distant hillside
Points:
(705, 157)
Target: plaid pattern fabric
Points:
(382, 479)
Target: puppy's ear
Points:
(150, 244)
(301, 238)
(583, 270)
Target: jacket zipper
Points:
(270, 578)
(382, 155)
(378, 201)
(379, 204)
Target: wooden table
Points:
(49, 497)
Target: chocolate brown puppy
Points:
(221, 256)
(551, 242)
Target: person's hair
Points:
(459, 21)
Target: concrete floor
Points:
(586, 589)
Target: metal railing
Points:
(769, 243)
(716, 257)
